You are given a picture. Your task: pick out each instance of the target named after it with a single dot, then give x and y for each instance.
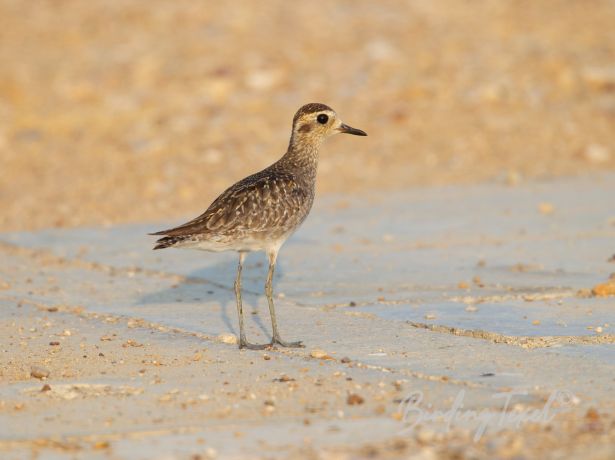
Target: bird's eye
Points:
(322, 119)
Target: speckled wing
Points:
(271, 204)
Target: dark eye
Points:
(322, 119)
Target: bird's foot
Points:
(278, 341)
(253, 346)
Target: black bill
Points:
(350, 130)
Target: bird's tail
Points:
(168, 241)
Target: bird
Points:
(261, 211)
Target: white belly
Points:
(244, 245)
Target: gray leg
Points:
(243, 343)
(276, 339)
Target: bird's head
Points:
(314, 122)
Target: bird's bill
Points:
(350, 130)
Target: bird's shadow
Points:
(215, 283)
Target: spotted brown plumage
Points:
(262, 207)
(260, 212)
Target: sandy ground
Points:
(124, 111)
(131, 390)
(113, 351)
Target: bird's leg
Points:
(243, 343)
(276, 339)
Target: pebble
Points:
(600, 78)
(604, 289)
(263, 79)
(381, 50)
(387, 238)
(584, 293)
(513, 178)
(546, 208)
(597, 154)
(39, 372)
(592, 414)
(101, 445)
(319, 354)
(425, 436)
(227, 338)
(269, 405)
(213, 156)
(354, 399)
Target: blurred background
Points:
(123, 111)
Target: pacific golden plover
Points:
(260, 212)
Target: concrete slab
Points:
(478, 291)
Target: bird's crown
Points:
(312, 107)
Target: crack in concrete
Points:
(528, 342)
(523, 294)
(129, 321)
(49, 258)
